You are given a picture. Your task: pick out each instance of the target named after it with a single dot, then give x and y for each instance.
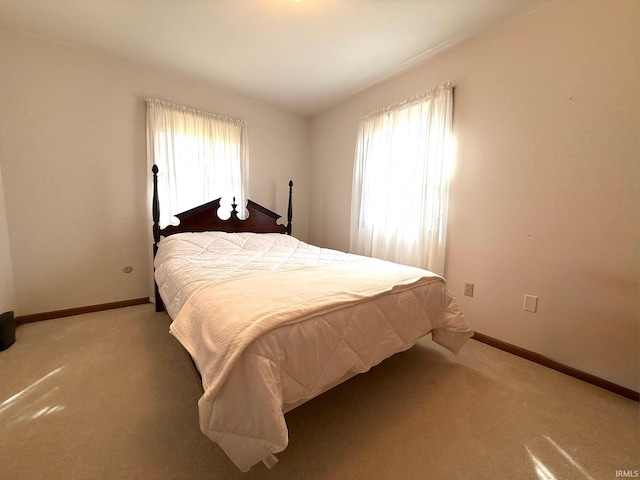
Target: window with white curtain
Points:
(401, 176)
(201, 156)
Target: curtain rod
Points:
(203, 113)
(409, 101)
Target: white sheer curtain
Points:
(401, 181)
(201, 156)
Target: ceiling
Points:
(302, 55)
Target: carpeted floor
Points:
(112, 395)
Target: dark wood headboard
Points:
(205, 218)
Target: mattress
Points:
(272, 322)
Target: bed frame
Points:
(205, 218)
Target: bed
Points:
(272, 322)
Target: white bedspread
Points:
(277, 333)
(188, 261)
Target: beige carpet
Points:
(111, 395)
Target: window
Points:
(200, 156)
(401, 181)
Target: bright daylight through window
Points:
(200, 156)
(401, 181)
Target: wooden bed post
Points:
(290, 209)
(155, 213)
(155, 210)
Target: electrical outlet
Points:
(530, 303)
(468, 289)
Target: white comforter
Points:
(273, 322)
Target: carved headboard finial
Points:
(234, 211)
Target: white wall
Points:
(546, 197)
(73, 155)
(7, 290)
